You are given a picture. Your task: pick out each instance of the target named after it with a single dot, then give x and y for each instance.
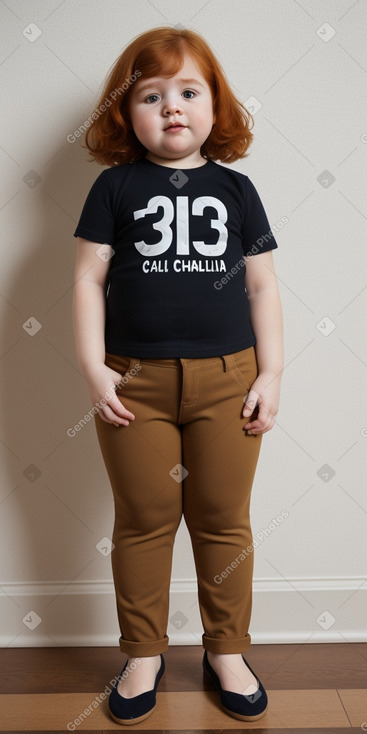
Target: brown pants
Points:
(185, 453)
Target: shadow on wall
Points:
(56, 502)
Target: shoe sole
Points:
(244, 718)
(127, 722)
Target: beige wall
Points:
(56, 504)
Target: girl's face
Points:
(183, 99)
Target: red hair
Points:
(110, 138)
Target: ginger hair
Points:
(110, 138)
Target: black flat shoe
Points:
(132, 710)
(245, 708)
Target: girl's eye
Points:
(153, 97)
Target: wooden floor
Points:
(311, 688)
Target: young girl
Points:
(178, 331)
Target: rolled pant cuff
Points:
(222, 645)
(144, 649)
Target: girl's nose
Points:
(170, 107)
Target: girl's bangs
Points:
(160, 62)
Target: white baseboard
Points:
(83, 614)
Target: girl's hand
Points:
(101, 381)
(263, 397)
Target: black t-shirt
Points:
(175, 286)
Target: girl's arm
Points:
(89, 315)
(267, 323)
(266, 312)
(89, 311)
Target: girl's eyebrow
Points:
(155, 81)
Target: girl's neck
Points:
(195, 160)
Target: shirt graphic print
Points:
(175, 285)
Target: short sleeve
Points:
(97, 222)
(257, 234)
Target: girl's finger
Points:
(111, 417)
(258, 427)
(119, 409)
(251, 402)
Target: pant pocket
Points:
(121, 364)
(242, 366)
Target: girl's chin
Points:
(178, 150)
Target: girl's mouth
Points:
(174, 128)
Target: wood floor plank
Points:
(83, 669)
(326, 681)
(355, 704)
(307, 730)
(175, 711)
(311, 708)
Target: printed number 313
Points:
(182, 225)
